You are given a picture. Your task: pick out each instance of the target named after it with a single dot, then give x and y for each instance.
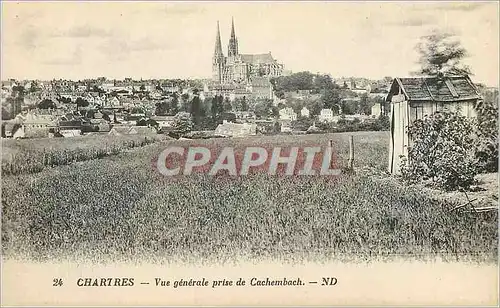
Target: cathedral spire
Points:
(233, 42)
(218, 45)
(233, 36)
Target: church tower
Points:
(218, 58)
(233, 42)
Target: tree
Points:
(34, 87)
(237, 104)
(227, 107)
(185, 104)
(487, 131)
(261, 108)
(349, 106)
(440, 54)
(195, 110)
(365, 105)
(216, 107)
(315, 107)
(18, 99)
(174, 104)
(46, 104)
(161, 108)
(167, 107)
(6, 115)
(244, 104)
(97, 89)
(152, 123)
(330, 97)
(80, 102)
(294, 82)
(322, 82)
(274, 112)
(183, 123)
(141, 122)
(240, 104)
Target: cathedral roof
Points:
(258, 58)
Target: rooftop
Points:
(449, 88)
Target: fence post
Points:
(351, 152)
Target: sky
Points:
(77, 40)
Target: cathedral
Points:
(241, 68)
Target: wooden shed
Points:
(413, 98)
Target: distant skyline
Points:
(78, 40)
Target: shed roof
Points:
(443, 89)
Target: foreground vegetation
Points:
(33, 155)
(121, 208)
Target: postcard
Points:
(249, 153)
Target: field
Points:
(120, 208)
(34, 155)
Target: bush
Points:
(487, 131)
(442, 151)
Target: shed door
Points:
(399, 140)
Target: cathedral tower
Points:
(218, 58)
(233, 42)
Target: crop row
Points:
(31, 156)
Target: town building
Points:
(304, 112)
(229, 129)
(326, 115)
(288, 114)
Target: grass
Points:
(31, 156)
(120, 208)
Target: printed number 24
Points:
(57, 282)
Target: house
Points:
(10, 127)
(326, 115)
(144, 130)
(38, 125)
(304, 112)
(108, 85)
(413, 98)
(68, 133)
(376, 110)
(119, 130)
(70, 121)
(113, 102)
(379, 95)
(170, 88)
(230, 129)
(13, 130)
(163, 121)
(244, 115)
(122, 130)
(287, 113)
(286, 126)
(135, 116)
(96, 125)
